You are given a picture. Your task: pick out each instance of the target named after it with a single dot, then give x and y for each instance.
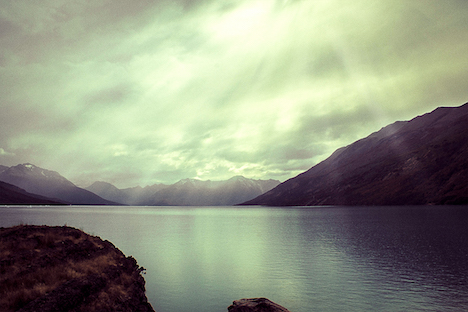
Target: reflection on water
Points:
(307, 259)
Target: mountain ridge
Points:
(415, 162)
(13, 195)
(49, 184)
(36, 185)
(187, 192)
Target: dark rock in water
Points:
(256, 305)
(64, 269)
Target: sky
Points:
(144, 92)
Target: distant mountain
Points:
(142, 196)
(416, 162)
(13, 195)
(191, 192)
(134, 196)
(106, 191)
(187, 192)
(49, 184)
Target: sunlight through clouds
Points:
(245, 21)
(166, 90)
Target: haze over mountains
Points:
(416, 162)
(13, 195)
(29, 184)
(187, 192)
(49, 184)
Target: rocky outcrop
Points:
(64, 269)
(256, 305)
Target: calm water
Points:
(307, 259)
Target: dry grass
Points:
(109, 299)
(19, 288)
(92, 266)
(36, 260)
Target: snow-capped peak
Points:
(29, 166)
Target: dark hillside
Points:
(417, 162)
(50, 184)
(12, 195)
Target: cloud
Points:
(139, 93)
(5, 153)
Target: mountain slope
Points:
(49, 184)
(106, 191)
(421, 161)
(134, 196)
(13, 195)
(191, 192)
(141, 196)
(187, 192)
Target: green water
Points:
(306, 259)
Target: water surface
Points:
(305, 258)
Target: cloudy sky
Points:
(143, 92)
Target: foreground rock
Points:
(64, 269)
(256, 305)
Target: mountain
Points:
(134, 196)
(417, 162)
(13, 195)
(106, 191)
(142, 196)
(49, 184)
(192, 192)
(187, 192)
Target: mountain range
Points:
(50, 184)
(13, 195)
(187, 192)
(418, 162)
(29, 184)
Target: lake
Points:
(412, 258)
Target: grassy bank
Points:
(64, 269)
